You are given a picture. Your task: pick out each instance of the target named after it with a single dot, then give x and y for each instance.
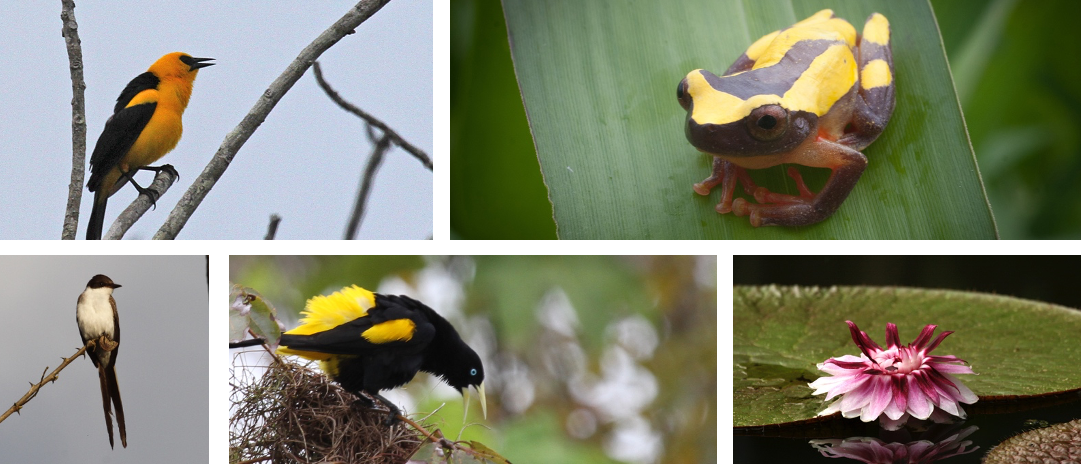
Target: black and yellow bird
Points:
(145, 125)
(368, 342)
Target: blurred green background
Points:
(587, 359)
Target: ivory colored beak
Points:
(483, 402)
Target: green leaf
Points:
(1017, 347)
(599, 79)
(249, 311)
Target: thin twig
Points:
(44, 379)
(374, 161)
(272, 228)
(70, 31)
(162, 181)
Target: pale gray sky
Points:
(303, 163)
(161, 367)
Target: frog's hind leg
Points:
(876, 99)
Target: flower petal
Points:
(952, 368)
(926, 387)
(892, 424)
(881, 397)
(918, 404)
(947, 404)
(858, 398)
(893, 410)
(839, 367)
(846, 386)
(892, 338)
(836, 406)
(963, 394)
(862, 340)
(898, 400)
(925, 335)
(934, 344)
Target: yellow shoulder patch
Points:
(391, 331)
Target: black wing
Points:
(347, 338)
(122, 129)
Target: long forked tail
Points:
(105, 401)
(110, 397)
(115, 393)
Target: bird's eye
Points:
(472, 372)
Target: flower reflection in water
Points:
(875, 451)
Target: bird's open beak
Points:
(199, 63)
(483, 402)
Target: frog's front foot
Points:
(779, 208)
(703, 188)
(727, 175)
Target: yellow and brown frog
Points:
(814, 94)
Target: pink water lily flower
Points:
(895, 383)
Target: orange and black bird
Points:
(98, 322)
(145, 125)
(368, 342)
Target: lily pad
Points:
(1017, 347)
(1060, 443)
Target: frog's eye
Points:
(767, 123)
(681, 94)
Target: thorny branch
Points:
(44, 379)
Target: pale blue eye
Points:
(472, 372)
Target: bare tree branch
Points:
(164, 179)
(70, 31)
(35, 387)
(374, 161)
(272, 228)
